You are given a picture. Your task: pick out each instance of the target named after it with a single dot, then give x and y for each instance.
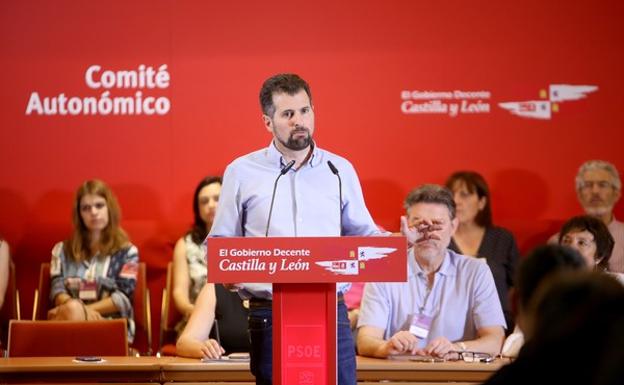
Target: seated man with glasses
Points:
(598, 189)
(449, 303)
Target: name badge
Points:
(88, 290)
(72, 284)
(420, 325)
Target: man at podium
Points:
(291, 188)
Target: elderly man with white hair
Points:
(598, 188)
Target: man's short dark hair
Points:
(281, 83)
(602, 237)
(541, 263)
(431, 193)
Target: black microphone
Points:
(334, 170)
(282, 172)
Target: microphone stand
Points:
(334, 170)
(282, 172)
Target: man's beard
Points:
(430, 252)
(297, 144)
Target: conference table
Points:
(170, 370)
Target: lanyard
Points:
(421, 309)
(96, 268)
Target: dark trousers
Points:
(261, 354)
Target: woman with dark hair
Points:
(592, 239)
(201, 302)
(189, 257)
(93, 274)
(477, 236)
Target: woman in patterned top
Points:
(189, 256)
(477, 236)
(5, 259)
(93, 273)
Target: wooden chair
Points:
(68, 338)
(169, 317)
(11, 307)
(141, 302)
(142, 313)
(41, 302)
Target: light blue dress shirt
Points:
(307, 202)
(463, 299)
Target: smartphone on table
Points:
(88, 359)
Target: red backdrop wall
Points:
(360, 58)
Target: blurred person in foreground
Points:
(571, 325)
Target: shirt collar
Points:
(275, 157)
(448, 267)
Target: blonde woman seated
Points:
(4, 269)
(93, 273)
(4, 282)
(189, 257)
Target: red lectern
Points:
(304, 272)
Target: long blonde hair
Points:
(113, 237)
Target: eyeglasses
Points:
(602, 184)
(468, 356)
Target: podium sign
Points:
(307, 259)
(304, 272)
